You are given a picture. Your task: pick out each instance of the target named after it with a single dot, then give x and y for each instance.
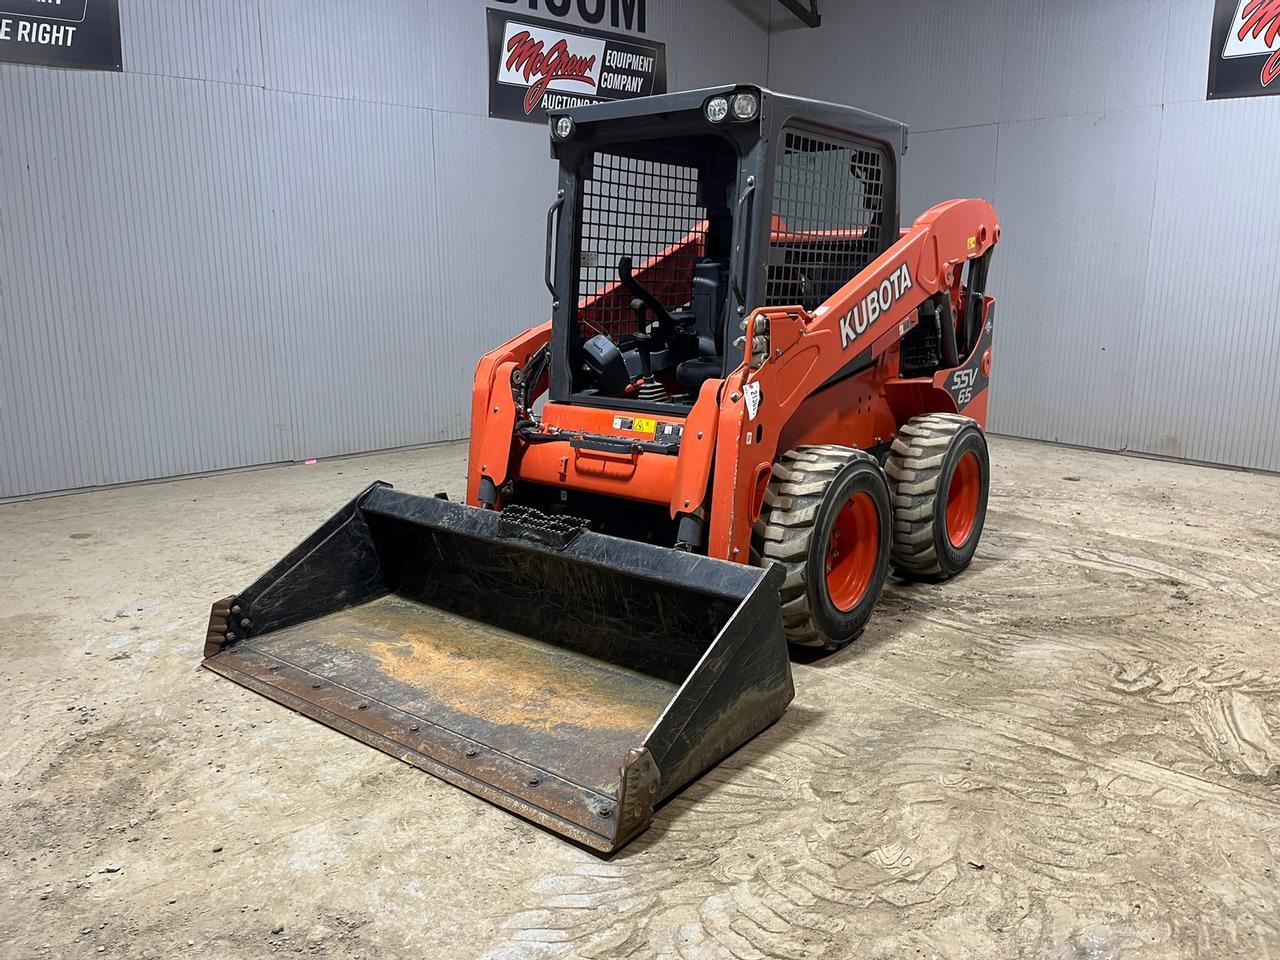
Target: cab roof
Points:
(776, 110)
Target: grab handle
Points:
(742, 226)
(553, 221)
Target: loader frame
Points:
(831, 375)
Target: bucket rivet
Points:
(604, 811)
(274, 666)
(363, 706)
(534, 781)
(413, 728)
(472, 751)
(245, 622)
(315, 686)
(686, 503)
(236, 609)
(230, 636)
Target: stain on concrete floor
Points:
(1071, 751)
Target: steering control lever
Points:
(640, 293)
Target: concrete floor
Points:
(1073, 750)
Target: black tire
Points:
(809, 488)
(922, 466)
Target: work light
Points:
(564, 128)
(717, 109)
(745, 106)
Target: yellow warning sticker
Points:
(644, 425)
(973, 243)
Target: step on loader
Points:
(756, 394)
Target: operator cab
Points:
(679, 214)
(653, 242)
(644, 249)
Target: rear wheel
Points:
(939, 474)
(826, 522)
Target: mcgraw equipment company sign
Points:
(1244, 57)
(536, 65)
(61, 33)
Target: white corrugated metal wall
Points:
(287, 230)
(1137, 275)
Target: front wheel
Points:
(939, 475)
(826, 522)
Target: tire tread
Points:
(801, 477)
(914, 466)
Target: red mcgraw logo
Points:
(1261, 18)
(525, 55)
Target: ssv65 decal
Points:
(866, 312)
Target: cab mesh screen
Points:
(828, 213)
(644, 210)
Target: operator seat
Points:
(710, 284)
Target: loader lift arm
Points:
(498, 374)
(799, 351)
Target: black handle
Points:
(974, 294)
(649, 300)
(603, 444)
(946, 329)
(742, 223)
(553, 221)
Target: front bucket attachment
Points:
(573, 678)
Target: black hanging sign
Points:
(61, 33)
(539, 64)
(1244, 58)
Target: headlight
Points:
(745, 106)
(564, 128)
(717, 109)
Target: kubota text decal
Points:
(868, 310)
(536, 65)
(1244, 57)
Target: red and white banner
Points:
(536, 65)
(1244, 59)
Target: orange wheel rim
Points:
(852, 551)
(962, 500)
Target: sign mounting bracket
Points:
(807, 12)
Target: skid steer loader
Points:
(755, 395)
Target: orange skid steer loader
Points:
(756, 394)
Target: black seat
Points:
(692, 374)
(710, 284)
